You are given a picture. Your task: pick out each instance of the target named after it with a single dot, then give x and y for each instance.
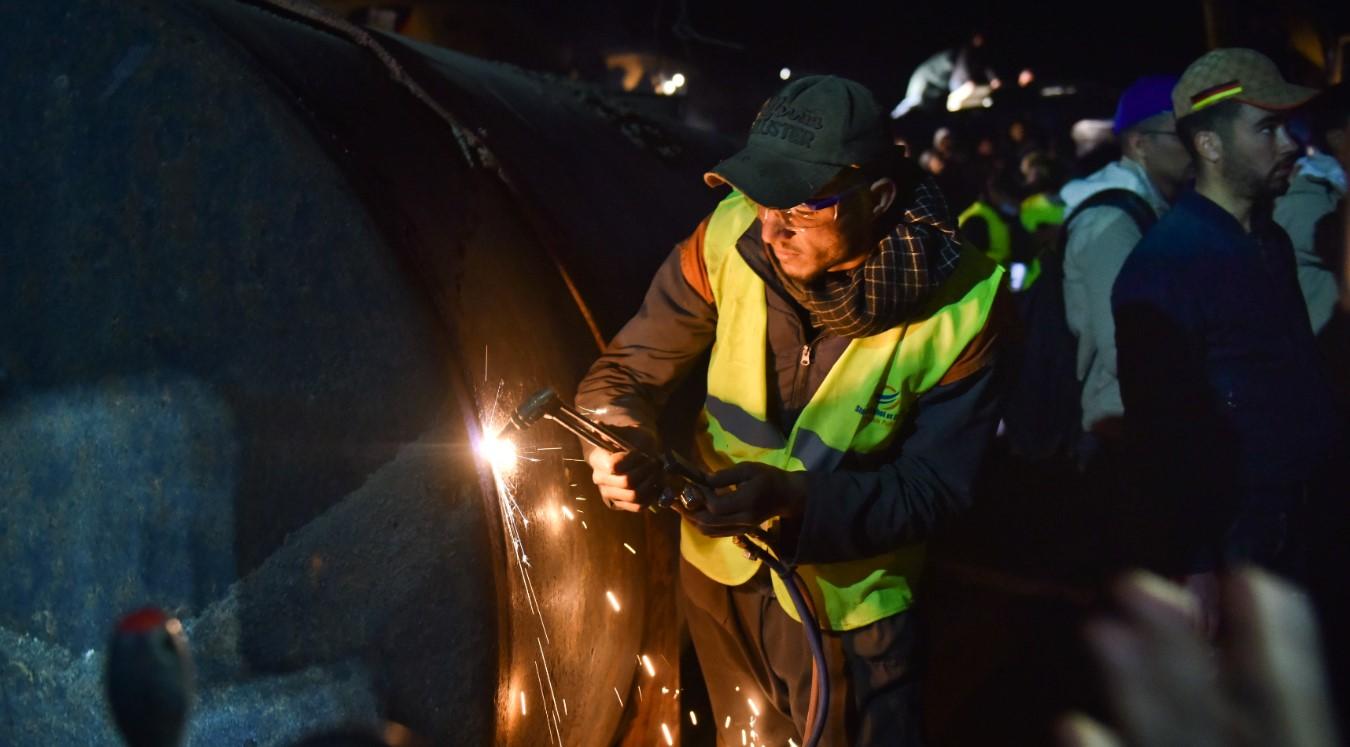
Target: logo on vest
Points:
(883, 409)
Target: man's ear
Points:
(1133, 145)
(1209, 146)
(883, 195)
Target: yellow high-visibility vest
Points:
(859, 408)
(1000, 237)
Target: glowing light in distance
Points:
(678, 80)
(693, 718)
(647, 664)
(668, 87)
(785, 73)
(499, 452)
(613, 600)
(665, 731)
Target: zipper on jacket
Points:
(806, 355)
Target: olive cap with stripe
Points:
(1234, 74)
(802, 138)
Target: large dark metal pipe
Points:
(266, 279)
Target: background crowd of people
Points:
(1180, 399)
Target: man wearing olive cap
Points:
(1226, 400)
(851, 401)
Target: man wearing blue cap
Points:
(1108, 214)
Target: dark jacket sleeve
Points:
(858, 514)
(631, 381)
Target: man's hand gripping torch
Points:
(685, 484)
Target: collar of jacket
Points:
(1209, 213)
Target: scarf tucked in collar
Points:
(910, 261)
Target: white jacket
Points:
(1099, 240)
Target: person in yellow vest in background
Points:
(992, 223)
(989, 224)
(1041, 212)
(852, 398)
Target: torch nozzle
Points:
(540, 404)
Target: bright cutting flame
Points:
(500, 453)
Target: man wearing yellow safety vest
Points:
(851, 401)
(990, 223)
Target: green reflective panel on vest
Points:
(1000, 238)
(859, 408)
(1041, 210)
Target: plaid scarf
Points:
(910, 261)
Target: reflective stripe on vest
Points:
(859, 407)
(1000, 238)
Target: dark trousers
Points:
(752, 652)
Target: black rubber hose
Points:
(756, 543)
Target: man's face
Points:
(1258, 153)
(1164, 157)
(804, 254)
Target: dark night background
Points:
(731, 52)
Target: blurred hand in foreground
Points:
(1166, 685)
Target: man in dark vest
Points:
(851, 401)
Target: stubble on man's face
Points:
(1259, 154)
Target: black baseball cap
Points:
(802, 138)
